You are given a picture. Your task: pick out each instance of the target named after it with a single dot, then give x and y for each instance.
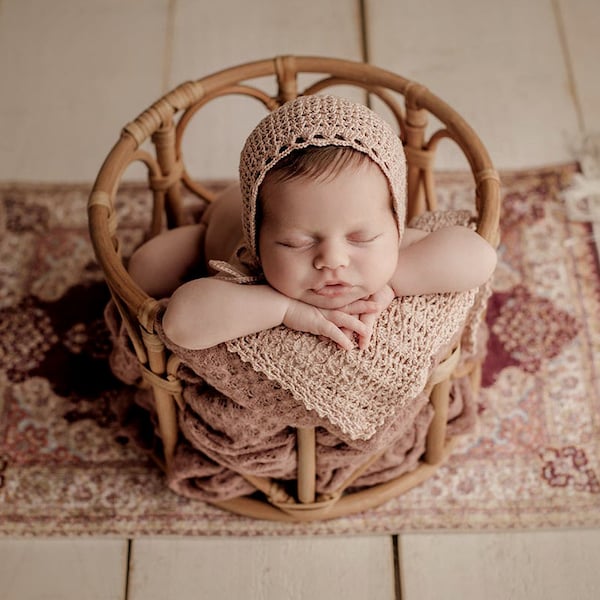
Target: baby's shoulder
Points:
(412, 235)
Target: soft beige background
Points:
(524, 73)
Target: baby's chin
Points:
(333, 302)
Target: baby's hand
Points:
(337, 325)
(377, 303)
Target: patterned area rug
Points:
(69, 467)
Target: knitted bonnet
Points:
(318, 121)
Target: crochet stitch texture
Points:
(359, 391)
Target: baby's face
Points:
(331, 242)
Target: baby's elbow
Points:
(486, 261)
(476, 260)
(174, 327)
(178, 331)
(185, 324)
(177, 327)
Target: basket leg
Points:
(307, 468)
(164, 399)
(436, 436)
(167, 423)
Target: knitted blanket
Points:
(357, 391)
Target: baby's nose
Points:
(331, 255)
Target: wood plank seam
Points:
(568, 60)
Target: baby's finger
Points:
(345, 321)
(369, 320)
(348, 333)
(338, 336)
(363, 342)
(360, 306)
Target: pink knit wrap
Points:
(357, 391)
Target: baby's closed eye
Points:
(296, 242)
(363, 237)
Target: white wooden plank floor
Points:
(523, 73)
(579, 23)
(261, 29)
(73, 73)
(500, 64)
(546, 565)
(61, 569)
(292, 568)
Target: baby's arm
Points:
(208, 311)
(452, 259)
(448, 260)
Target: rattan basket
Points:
(165, 124)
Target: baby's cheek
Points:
(280, 275)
